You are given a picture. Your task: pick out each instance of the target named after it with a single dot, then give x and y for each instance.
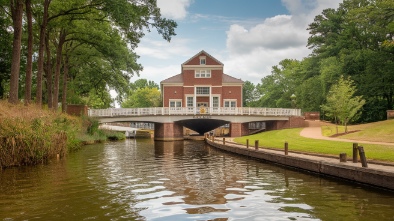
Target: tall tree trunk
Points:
(62, 39)
(48, 72)
(29, 65)
(64, 91)
(41, 48)
(17, 13)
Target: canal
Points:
(184, 180)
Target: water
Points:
(187, 180)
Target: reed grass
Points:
(31, 135)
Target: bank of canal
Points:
(184, 180)
(378, 175)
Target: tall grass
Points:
(31, 135)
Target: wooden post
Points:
(247, 143)
(342, 157)
(224, 141)
(286, 148)
(362, 156)
(256, 144)
(355, 152)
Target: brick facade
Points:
(185, 84)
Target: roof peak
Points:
(199, 53)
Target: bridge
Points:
(169, 121)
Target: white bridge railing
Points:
(114, 112)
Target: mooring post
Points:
(355, 154)
(256, 144)
(286, 148)
(247, 143)
(224, 141)
(362, 156)
(343, 157)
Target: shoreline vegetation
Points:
(32, 135)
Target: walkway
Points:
(316, 133)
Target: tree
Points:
(5, 51)
(142, 83)
(143, 97)
(16, 7)
(250, 94)
(29, 65)
(341, 103)
(276, 89)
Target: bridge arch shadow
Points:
(202, 126)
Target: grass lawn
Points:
(382, 131)
(277, 138)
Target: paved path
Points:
(315, 133)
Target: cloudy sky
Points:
(247, 36)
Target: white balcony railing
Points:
(114, 112)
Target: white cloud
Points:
(174, 9)
(253, 51)
(275, 33)
(159, 49)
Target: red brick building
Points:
(202, 83)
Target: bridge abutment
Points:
(239, 129)
(168, 131)
(293, 122)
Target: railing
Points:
(113, 112)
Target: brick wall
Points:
(77, 109)
(312, 115)
(168, 131)
(390, 114)
(239, 129)
(232, 92)
(172, 92)
(293, 122)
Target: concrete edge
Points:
(355, 174)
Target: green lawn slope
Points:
(381, 131)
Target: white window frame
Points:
(187, 101)
(230, 101)
(176, 101)
(202, 89)
(202, 73)
(218, 104)
(203, 60)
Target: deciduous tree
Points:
(342, 104)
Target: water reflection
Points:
(183, 180)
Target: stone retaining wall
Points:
(362, 175)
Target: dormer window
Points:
(203, 61)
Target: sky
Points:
(247, 36)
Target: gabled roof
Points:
(228, 79)
(174, 79)
(199, 54)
